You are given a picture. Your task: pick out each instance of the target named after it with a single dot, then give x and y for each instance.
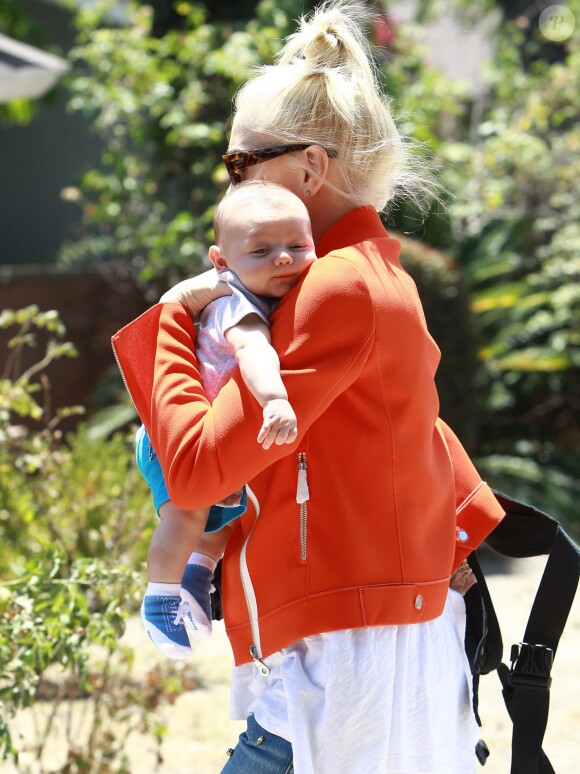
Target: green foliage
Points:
(517, 240)
(83, 495)
(429, 109)
(509, 160)
(161, 105)
(75, 520)
(17, 385)
(50, 613)
(519, 245)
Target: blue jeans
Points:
(260, 752)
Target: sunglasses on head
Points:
(238, 160)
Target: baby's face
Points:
(268, 248)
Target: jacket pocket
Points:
(302, 497)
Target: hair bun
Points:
(323, 90)
(332, 38)
(324, 49)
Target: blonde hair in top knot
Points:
(332, 38)
(323, 90)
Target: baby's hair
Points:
(323, 90)
(255, 191)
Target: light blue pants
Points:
(150, 468)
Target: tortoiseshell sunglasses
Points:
(238, 160)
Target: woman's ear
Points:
(316, 170)
(217, 258)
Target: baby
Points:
(263, 245)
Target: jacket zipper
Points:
(249, 594)
(302, 497)
(120, 370)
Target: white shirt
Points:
(215, 358)
(379, 699)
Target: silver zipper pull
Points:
(302, 492)
(263, 669)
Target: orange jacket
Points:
(361, 521)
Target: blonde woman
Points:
(336, 580)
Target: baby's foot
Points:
(195, 595)
(165, 621)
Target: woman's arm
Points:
(323, 332)
(478, 511)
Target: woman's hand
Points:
(196, 293)
(463, 579)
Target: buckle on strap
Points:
(531, 665)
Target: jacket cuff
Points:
(477, 516)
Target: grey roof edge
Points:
(32, 56)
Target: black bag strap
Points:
(483, 642)
(529, 714)
(527, 531)
(485, 650)
(555, 593)
(217, 612)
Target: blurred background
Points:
(113, 118)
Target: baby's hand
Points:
(279, 425)
(462, 579)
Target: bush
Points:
(75, 522)
(510, 159)
(161, 102)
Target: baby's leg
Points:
(175, 537)
(214, 543)
(196, 583)
(168, 613)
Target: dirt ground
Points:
(200, 731)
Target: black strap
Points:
(483, 643)
(526, 531)
(216, 598)
(555, 593)
(526, 725)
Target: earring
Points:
(307, 192)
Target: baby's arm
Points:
(260, 369)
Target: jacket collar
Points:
(356, 226)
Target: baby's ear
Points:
(217, 258)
